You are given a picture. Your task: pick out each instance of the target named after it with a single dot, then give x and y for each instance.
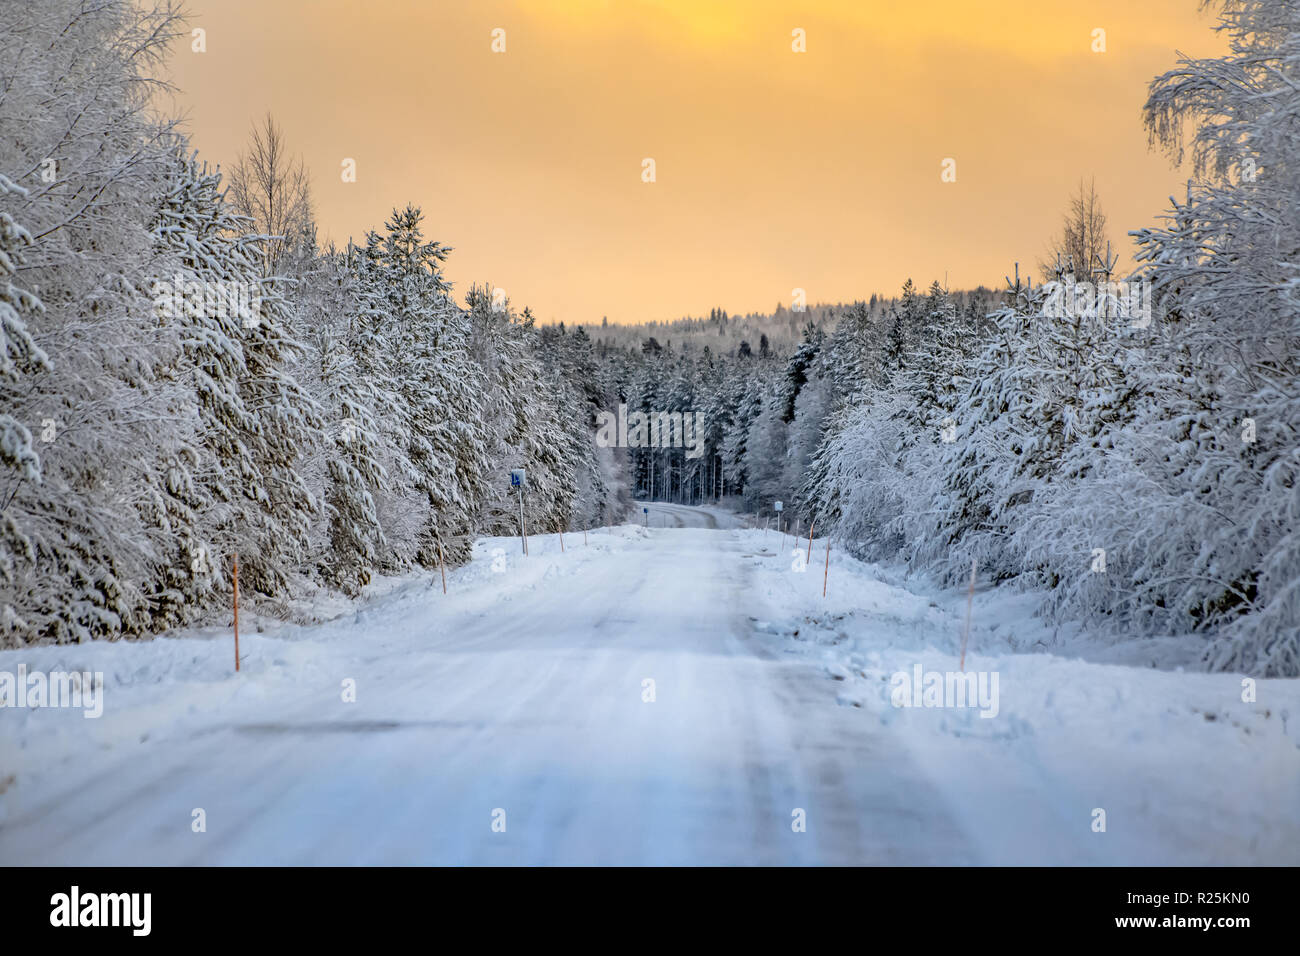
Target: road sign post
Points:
(517, 478)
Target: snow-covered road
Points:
(628, 701)
(664, 515)
(539, 707)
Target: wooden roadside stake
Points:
(970, 598)
(827, 573)
(561, 533)
(442, 566)
(812, 524)
(584, 537)
(236, 577)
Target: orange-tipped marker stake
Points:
(812, 525)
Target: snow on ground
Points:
(523, 690)
(1186, 771)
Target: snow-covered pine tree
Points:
(436, 381)
(19, 356)
(765, 449)
(748, 389)
(798, 368)
(526, 408)
(256, 420)
(854, 351)
(1224, 270)
(894, 352)
(351, 468)
(19, 353)
(992, 464)
(80, 550)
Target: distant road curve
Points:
(665, 515)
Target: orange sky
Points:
(775, 170)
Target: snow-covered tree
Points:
(1223, 441)
(19, 353)
(437, 384)
(351, 468)
(80, 546)
(256, 419)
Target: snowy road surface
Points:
(522, 699)
(665, 515)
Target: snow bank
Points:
(1174, 758)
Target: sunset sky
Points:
(775, 169)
